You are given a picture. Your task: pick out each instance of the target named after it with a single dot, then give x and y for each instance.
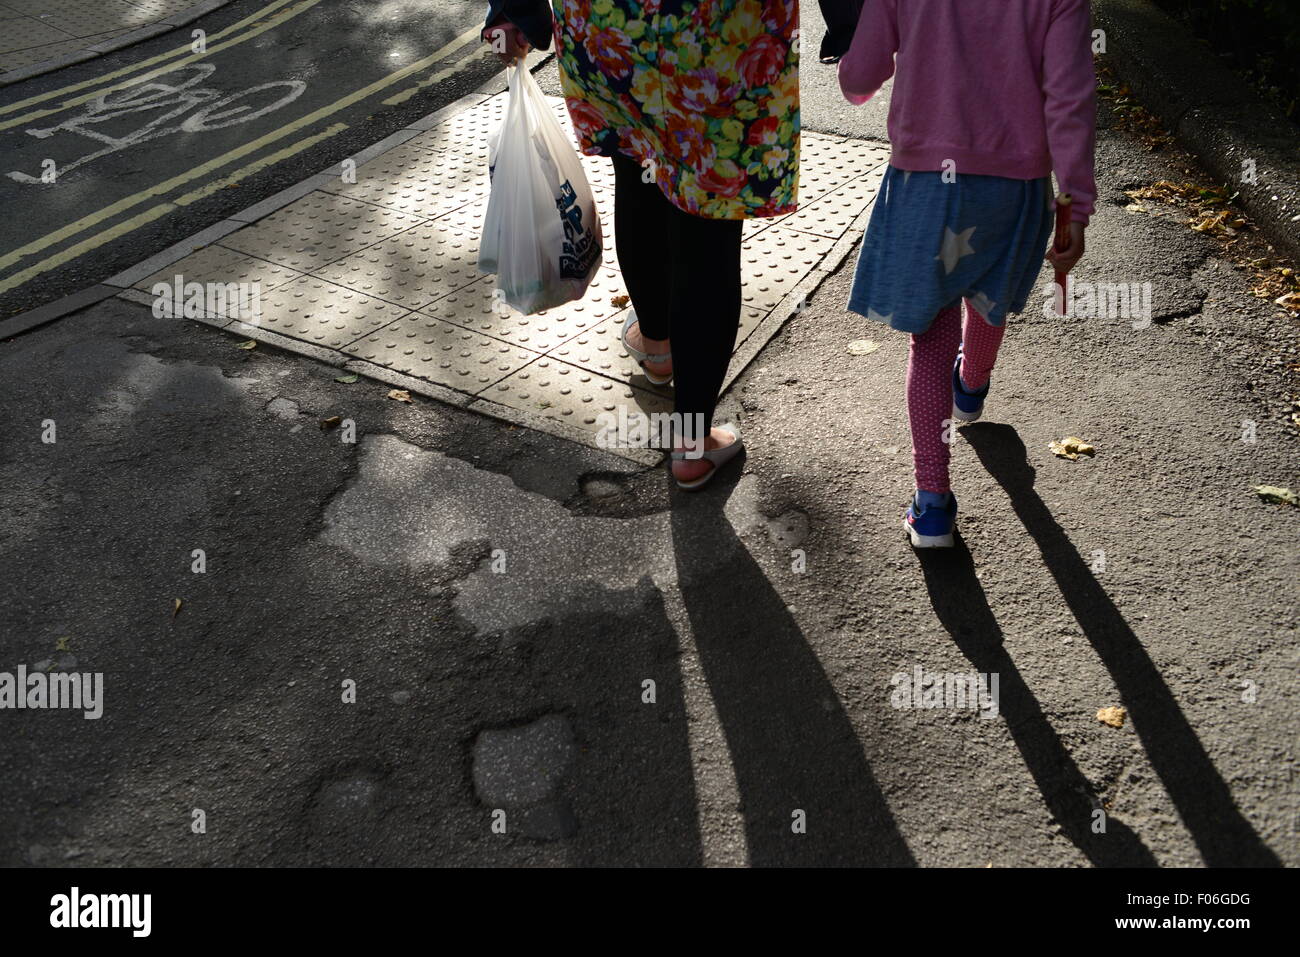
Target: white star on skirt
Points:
(955, 246)
(982, 304)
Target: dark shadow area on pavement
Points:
(791, 742)
(1223, 836)
(963, 609)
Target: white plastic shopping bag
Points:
(541, 235)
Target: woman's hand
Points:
(508, 41)
(1064, 260)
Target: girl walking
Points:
(989, 98)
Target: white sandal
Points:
(642, 358)
(719, 458)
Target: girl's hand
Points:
(508, 41)
(1064, 260)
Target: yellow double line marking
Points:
(121, 229)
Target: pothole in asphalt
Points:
(346, 813)
(349, 798)
(789, 529)
(602, 490)
(519, 771)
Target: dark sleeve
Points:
(533, 17)
(841, 18)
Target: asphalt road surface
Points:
(391, 647)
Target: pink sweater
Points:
(1000, 87)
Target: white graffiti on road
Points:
(176, 94)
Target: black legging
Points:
(683, 274)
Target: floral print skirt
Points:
(704, 94)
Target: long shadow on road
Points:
(962, 608)
(792, 744)
(1223, 836)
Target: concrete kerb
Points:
(147, 32)
(1214, 114)
(32, 318)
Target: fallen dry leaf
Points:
(619, 301)
(1112, 716)
(176, 607)
(1071, 447)
(863, 347)
(1272, 281)
(331, 423)
(250, 344)
(1277, 495)
(399, 395)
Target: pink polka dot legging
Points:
(929, 384)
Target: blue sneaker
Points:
(966, 406)
(931, 526)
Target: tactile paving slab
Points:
(773, 262)
(413, 268)
(571, 394)
(21, 33)
(467, 133)
(827, 162)
(834, 213)
(161, 9)
(420, 182)
(478, 308)
(468, 217)
(80, 19)
(322, 313)
(219, 264)
(318, 229)
(429, 348)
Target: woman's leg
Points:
(704, 312)
(929, 397)
(641, 237)
(980, 342)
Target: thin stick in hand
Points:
(1060, 244)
